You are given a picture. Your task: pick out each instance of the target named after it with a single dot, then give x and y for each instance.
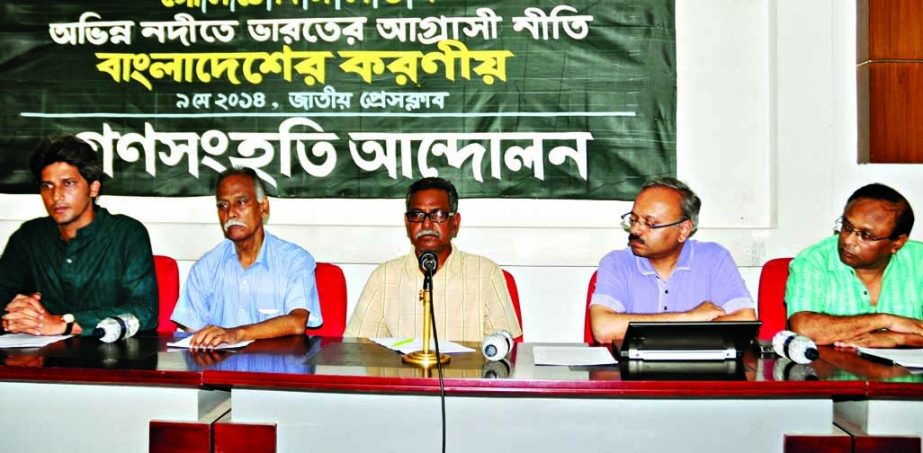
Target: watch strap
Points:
(68, 328)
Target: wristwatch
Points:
(69, 323)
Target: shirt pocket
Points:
(268, 313)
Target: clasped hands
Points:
(26, 314)
(707, 311)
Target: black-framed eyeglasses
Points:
(437, 216)
(844, 228)
(629, 219)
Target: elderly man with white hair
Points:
(252, 285)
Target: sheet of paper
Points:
(24, 340)
(572, 355)
(910, 358)
(184, 343)
(408, 345)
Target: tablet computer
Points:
(680, 341)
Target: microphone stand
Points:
(426, 358)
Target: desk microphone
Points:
(428, 262)
(117, 327)
(797, 348)
(497, 345)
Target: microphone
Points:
(428, 262)
(115, 328)
(797, 348)
(497, 345)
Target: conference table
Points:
(331, 394)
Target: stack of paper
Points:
(24, 340)
(184, 343)
(910, 358)
(572, 355)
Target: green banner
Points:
(346, 98)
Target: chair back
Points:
(331, 289)
(514, 296)
(167, 273)
(771, 303)
(587, 329)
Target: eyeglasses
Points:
(844, 228)
(437, 216)
(629, 220)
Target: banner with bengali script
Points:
(346, 98)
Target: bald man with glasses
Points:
(470, 297)
(864, 285)
(664, 275)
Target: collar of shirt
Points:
(833, 258)
(684, 263)
(98, 230)
(451, 265)
(262, 257)
(100, 217)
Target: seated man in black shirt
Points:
(63, 273)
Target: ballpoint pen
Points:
(875, 358)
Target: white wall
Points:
(766, 136)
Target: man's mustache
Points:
(232, 223)
(635, 237)
(422, 233)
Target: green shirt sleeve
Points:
(14, 275)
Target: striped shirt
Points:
(819, 282)
(221, 292)
(470, 299)
(705, 271)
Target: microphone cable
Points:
(432, 317)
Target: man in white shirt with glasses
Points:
(469, 293)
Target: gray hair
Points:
(689, 202)
(434, 183)
(258, 186)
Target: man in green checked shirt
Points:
(864, 285)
